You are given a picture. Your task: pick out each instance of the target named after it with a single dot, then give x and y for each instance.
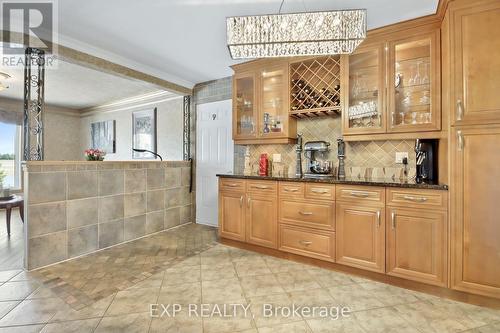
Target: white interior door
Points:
(214, 154)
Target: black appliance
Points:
(426, 151)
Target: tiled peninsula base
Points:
(75, 208)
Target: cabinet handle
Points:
(378, 218)
(460, 139)
(232, 185)
(290, 189)
(305, 213)
(248, 202)
(460, 110)
(359, 194)
(393, 220)
(306, 243)
(319, 191)
(260, 187)
(241, 201)
(416, 199)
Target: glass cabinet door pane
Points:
(274, 112)
(245, 106)
(412, 95)
(365, 109)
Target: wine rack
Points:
(315, 87)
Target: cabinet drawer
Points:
(230, 184)
(308, 242)
(307, 213)
(320, 191)
(417, 198)
(291, 189)
(366, 195)
(262, 186)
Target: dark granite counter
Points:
(349, 181)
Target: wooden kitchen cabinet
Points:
(261, 220)
(360, 236)
(232, 215)
(261, 103)
(475, 209)
(475, 64)
(416, 244)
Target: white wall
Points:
(169, 126)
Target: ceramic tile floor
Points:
(224, 275)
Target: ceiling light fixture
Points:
(296, 34)
(3, 76)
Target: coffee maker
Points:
(426, 151)
(315, 153)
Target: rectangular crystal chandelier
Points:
(296, 34)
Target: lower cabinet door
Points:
(231, 215)
(262, 220)
(416, 245)
(360, 236)
(308, 242)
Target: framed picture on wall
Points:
(103, 136)
(144, 133)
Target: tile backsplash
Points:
(363, 158)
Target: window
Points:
(10, 154)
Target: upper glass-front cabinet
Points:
(414, 103)
(364, 105)
(244, 101)
(273, 101)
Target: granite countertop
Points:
(409, 183)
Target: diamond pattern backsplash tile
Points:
(363, 158)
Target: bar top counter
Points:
(407, 183)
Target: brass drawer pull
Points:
(378, 218)
(260, 187)
(248, 202)
(241, 201)
(232, 185)
(290, 189)
(415, 199)
(319, 191)
(359, 194)
(305, 243)
(460, 110)
(393, 220)
(305, 213)
(460, 138)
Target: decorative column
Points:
(186, 131)
(34, 82)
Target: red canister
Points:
(263, 165)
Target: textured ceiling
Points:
(184, 40)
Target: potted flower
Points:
(94, 155)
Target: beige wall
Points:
(169, 127)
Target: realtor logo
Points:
(28, 24)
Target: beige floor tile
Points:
(354, 297)
(494, 328)
(182, 274)
(239, 254)
(384, 320)
(428, 318)
(265, 310)
(277, 265)
(233, 319)
(130, 323)
(24, 276)
(80, 326)
(296, 280)
(184, 294)
(19, 290)
(220, 271)
(35, 311)
(340, 325)
(153, 282)
(7, 275)
(470, 316)
(6, 306)
(296, 327)
(389, 295)
(261, 285)
(95, 310)
(251, 267)
(181, 323)
(315, 297)
(42, 292)
(328, 279)
(22, 329)
(132, 301)
(221, 291)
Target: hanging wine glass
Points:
(416, 79)
(425, 79)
